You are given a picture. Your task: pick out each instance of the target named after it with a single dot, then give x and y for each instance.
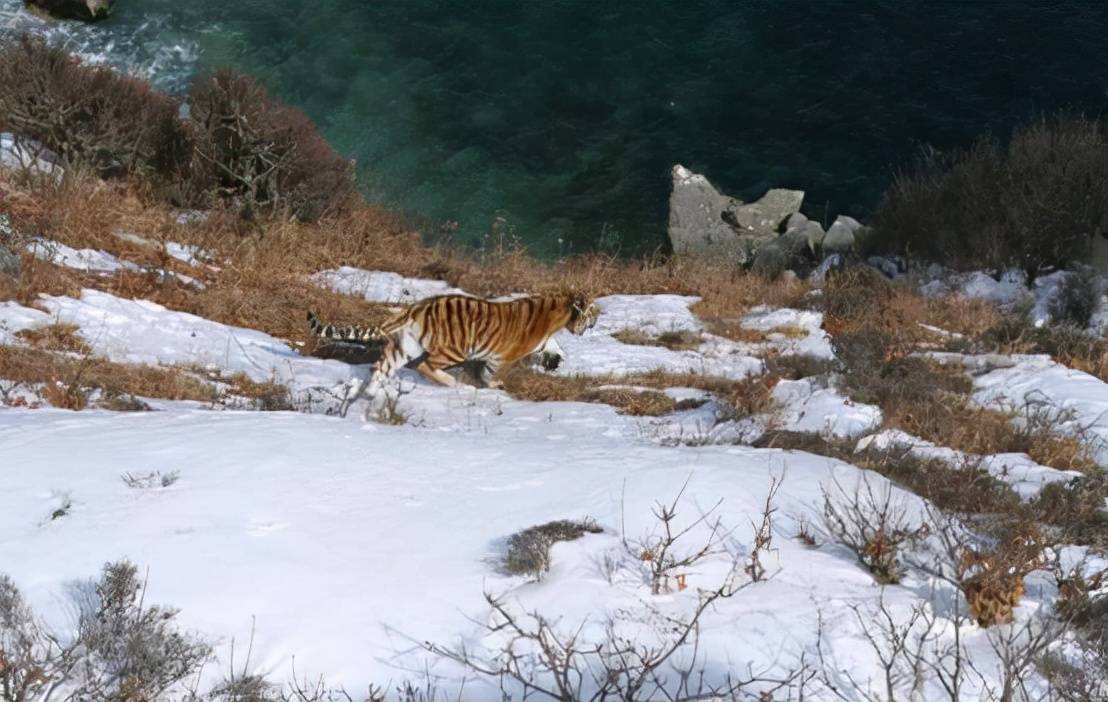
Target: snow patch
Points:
(1018, 470)
(381, 286)
(806, 406)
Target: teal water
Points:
(563, 118)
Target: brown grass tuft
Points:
(677, 340)
(55, 337)
(68, 380)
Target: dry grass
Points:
(68, 380)
(263, 282)
(677, 340)
(745, 397)
(55, 337)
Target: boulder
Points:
(839, 238)
(705, 222)
(813, 236)
(795, 220)
(788, 251)
(87, 10)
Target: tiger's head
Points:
(582, 314)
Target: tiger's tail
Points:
(353, 333)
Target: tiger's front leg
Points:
(551, 355)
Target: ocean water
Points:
(559, 121)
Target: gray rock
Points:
(887, 266)
(813, 236)
(839, 238)
(831, 263)
(795, 220)
(87, 10)
(775, 256)
(705, 222)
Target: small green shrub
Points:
(529, 550)
(1032, 203)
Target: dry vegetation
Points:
(676, 340)
(744, 397)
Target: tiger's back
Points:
(459, 328)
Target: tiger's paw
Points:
(551, 361)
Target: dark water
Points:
(564, 118)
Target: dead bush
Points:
(90, 116)
(988, 570)
(872, 524)
(1035, 202)
(528, 551)
(1076, 509)
(262, 155)
(121, 649)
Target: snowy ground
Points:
(348, 544)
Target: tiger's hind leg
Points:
(399, 351)
(434, 366)
(488, 375)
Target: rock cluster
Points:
(769, 236)
(87, 10)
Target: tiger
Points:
(444, 331)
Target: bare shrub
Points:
(660, 551)
(121, 649)
(151, 480)
(987, 569)
(1076, 509)
(1032, 203)
(542, 660)
(528, 551)
(262, 155)
(871, 523)
(90, 116)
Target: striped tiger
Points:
(441, 332)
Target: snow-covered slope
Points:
(344, 542)
(347, 544)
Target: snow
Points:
(27, 154)
(1018, 470)
(805, 406)
(96, 261)
(792, 332)
(1077, 398)
(15, 317)
(597, 352)
(381, 286)
(87, 260)
(356, 540)
(346, 544)
(140, 331)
